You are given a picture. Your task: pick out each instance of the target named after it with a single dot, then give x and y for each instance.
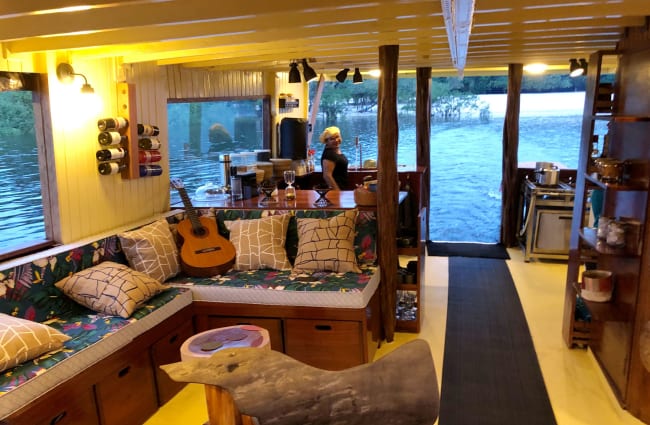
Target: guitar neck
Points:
(190, 210)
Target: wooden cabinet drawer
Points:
(164, 351)
(127, 395)
(274, 326)
(68, 405)
(326, 344)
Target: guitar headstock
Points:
(176, 183)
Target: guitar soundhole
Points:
(200, 232)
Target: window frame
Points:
(37, 84)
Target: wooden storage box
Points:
(167, 350)
(127, 394)
(326, 344)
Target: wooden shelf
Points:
(127, 109)
(630, 186)
(588, 236)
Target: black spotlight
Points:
(583, 65)
(575, 70)
(342, 75)
(294, 74)
(357, 78)
(308, 71)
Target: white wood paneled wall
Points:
(89, 203)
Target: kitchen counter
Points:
(305, 199)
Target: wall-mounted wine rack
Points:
(137, 162)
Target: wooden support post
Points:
(423, 137)
(387, 181)
(509, 189)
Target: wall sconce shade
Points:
(342, 75)
(294, 74)
(576, 69)
(357, 78)
(66, 74)
(307, 71)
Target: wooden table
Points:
(305, 199)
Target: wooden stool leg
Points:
(221, 407)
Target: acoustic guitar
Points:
(204, 252)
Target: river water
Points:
(465, 165)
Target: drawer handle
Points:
(323, 327)
(58, 418)
(245, 323)
(564, 217)
(122, 373)
(173, 339)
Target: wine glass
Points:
(289, 179)
(267, 188)
(322, 190)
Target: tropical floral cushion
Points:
(110, 288)
(28, 291)
(152, 250)
(259, 243)
(327, 244)
(23, 340)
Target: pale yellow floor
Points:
(577, 389)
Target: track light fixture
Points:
(576, 68)
(66, 74)
(294, 74)
(357, 78)
(342, 75)
(307, 71)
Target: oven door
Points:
(552, 231)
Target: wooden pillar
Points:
(423, 136)
(387, 212)
(509, 189)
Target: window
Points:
(202, 129)
(25, 222)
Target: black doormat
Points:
(490, 373)
(465, 249)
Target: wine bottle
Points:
(110, 138)
(110, 154)
(149, 156)
(150, 170)
(149, 143)
(108, 124)
(106, 168)
(148, 130)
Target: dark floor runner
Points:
(490, 374)
(463, 249)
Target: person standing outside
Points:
(333, 162)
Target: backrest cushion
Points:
(327, 244)
(260, 242)
(152, 250)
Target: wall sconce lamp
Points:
(342, 75)
(357, 78)
(66, 74)
(576, 68)
(294, 74)
(307, 71)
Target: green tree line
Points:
(17, 114)
(449, 96)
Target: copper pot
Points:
(610, 169)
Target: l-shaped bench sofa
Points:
(100, 360)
